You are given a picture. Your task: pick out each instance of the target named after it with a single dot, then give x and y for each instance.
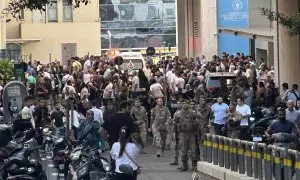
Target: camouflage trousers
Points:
(189, 146)
(169, 136)
(235, 134)
(140, 137)
(159, 136)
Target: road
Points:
(154, 168)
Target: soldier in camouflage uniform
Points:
(140, 117)
(160, 118)
(175, 135)
(233, 121)
(204, 122)
(187, 125)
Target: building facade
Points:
(237, 25)
(56, 34)
(134, 25)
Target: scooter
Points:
(87, 164)
(23, 166)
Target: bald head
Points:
(290, 105)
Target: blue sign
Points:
(233, 14)
(232, 44)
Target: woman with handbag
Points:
(125, 152)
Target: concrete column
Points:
(2, 27)
(187, 12)
(286, 61)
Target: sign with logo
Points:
(150, 51)
(130, 65)
(233, 14)
(13, 96)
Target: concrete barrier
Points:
(220, 173)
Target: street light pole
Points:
(109, 36)
(164, 48)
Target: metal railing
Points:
(254, 159)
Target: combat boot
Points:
(159, 152)
(194, 165)
(184, 166)
(175, 163)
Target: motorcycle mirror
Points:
(126, 169)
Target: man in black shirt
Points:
(40, 114)
(114, 123)
(57, 116)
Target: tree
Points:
(15, 7)
(292, 23)
(6, 70)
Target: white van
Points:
(132, 61)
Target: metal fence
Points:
(254, 159)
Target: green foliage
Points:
(6, 70)
(15, 7)
(292, 23)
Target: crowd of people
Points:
(168, 100)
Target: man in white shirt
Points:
(245, 110)
(156, 90)
(87, 64)
(67, 77)
(26, 113)
(69, 90)
(180, 82)
(98, 115)
(87, 77)
(135, 84)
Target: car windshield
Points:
(132, 64)
(213, 83)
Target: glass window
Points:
(169, 30)
(155, 40)
(123, 41)
(170, 39)
(155, 11)
(52, 11)
(141, 41)
(169, 11)
(138, 23)
(141, 12)
(156, 30)
(38, 16)
(169, 23)
(122, 31)
(104, 42)
(126, 12)
(67, 11)
(109, 13)
(141, 24)
(156, 23)
(142, 30)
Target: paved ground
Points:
(154, 168)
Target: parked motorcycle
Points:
(88, 164)
(22, 164)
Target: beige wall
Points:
(208, 23)
(86, 35)
(287, 64)
(2, 27)
(84, 30)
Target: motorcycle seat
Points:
(20, 177)
(61, 152)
